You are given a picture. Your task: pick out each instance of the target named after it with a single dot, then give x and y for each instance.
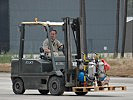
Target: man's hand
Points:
(61, 47)
(46, 50)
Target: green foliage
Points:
(29, 56)
(5, 58)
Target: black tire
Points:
(44, 92)
(56, 85)
(18, 86)
(81, 93)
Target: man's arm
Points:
(45, 46)
(59, 44)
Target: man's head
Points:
(53, 34)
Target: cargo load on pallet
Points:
(92, 71)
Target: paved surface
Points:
(7, 94)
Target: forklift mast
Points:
(67, 44)
(22, 34)
(76, 28)
(71, 24)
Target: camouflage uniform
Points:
(56, 45)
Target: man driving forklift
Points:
(56, 44)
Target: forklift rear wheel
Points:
(56, 85)
(18, 86)
(81, 93)
(44, 92)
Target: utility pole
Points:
(124, 29)
(132, 40)
(83, 42)
(117, 30)
(132, 33)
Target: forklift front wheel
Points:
(44, 92)
(18, 86)
(56, 85)
(81, 93)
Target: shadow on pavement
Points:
(76, 95)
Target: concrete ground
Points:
(7, 94)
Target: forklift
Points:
(79, 73)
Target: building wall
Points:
(45, 10)
(4, 26)
(100, 17)
(129, 37)
(101, 23)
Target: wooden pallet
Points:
(99, 88)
